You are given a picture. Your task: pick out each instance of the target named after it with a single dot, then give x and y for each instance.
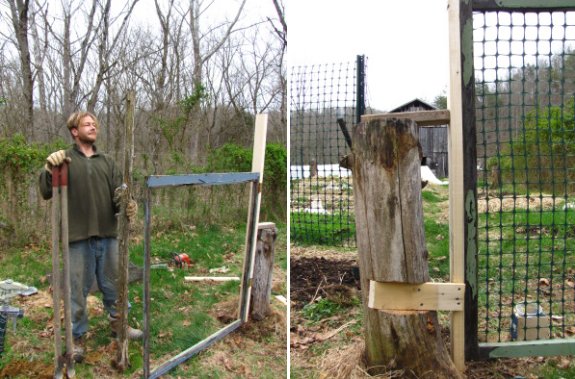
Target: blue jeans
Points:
(93, 258)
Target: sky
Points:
(406, 43)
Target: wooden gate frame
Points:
(210, 179)
(463, 182)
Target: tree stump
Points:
(391, 247)
(263, 269)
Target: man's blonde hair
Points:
(74, 119)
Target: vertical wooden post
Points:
(122, 358)
(313, 169)
(391, 247)
(462, 179)
(258, 159)
(263, 269)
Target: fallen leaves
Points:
(34, 369)
(296, 342)
(544, 282)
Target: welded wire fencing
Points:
(525, 110)
(325, 103)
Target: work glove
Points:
(131, 208)
(132, 211)
(56, 159)
(118, 193)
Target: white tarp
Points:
(428, 176)
(300, 172)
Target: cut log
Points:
(391, 248)
(263, 269)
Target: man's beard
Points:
(87, 140)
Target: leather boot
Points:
(79, 350)
(133, 334)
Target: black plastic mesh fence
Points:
(324, 103)
(525, 87)
(2, 332)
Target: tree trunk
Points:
(391, 247)
(19, 10)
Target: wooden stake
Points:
(258, 159)
(462, 178)
(122, 357)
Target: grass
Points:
(181, 314)
(322, 229)
(526, 256)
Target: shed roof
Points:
(415, 103)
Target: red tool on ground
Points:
(181, 259)
(62, 360)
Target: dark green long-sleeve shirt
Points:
(91, 185)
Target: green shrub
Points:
(230, 158)
(235, 158)
(541, 157)
(21, 161)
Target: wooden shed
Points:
(433, 139)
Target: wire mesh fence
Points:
(325, 102)
(525, 110)
(2, 332)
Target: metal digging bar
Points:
(70, 370)
(56, 285)
(60, 235)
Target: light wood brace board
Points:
(422, 118)
(416, 297)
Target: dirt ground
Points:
(333, 348)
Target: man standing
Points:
(93, 181)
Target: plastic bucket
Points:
(529, 322)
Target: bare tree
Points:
(39, 47)
(19, 15)
(105, 47)
(74, 58)
(281, 32)
(203, 54)
(201, 57)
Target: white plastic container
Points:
(529, 322)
